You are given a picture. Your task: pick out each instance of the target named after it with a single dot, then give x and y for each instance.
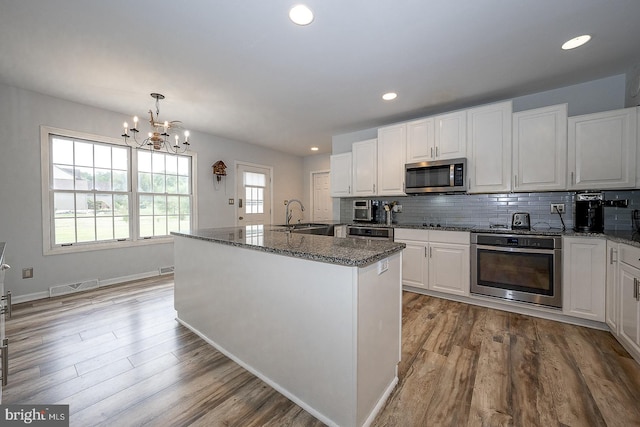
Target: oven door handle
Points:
(509, 249)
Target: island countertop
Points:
(332, 250)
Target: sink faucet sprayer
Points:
(288, 215)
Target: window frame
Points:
(48, 245)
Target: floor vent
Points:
(166, 270)
(73, 287)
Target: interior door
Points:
(322, 202)
(253, 194)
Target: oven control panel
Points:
(517, 241)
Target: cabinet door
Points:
(540, 149)
(420, 141)
(341, 175)
(584, 277)
(449, 268)
(611, 304)
(629, 331)
(450, 135)
(392, 143)
(602, 150)
(365, 164)
(414, 264)
(489, 147)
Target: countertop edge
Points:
(310, 256)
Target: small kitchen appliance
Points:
(521, 221)
(588, 210)
(441, 176)
(365, 210)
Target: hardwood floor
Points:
(118, 357)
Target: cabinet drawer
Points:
(460, 237)
(411, 234)
(630, 255)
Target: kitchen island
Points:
(318, 318)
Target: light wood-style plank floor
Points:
(118, 357)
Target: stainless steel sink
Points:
(306, 228)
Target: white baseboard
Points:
(17, 299)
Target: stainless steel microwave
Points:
(441, 176)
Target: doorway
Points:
(321, 202)
(253, 191)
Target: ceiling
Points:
(241, 70)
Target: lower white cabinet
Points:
(584, 277)
(611, 300)
(435, 260)
(629, 299)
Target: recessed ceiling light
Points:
(314, 148)
(301, 15)
(389, 96)
(576, 42)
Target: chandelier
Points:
(160, 132)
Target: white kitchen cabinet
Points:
(392, 142)
(437, 138)
(629, 304)
(489, 148)
(435, 260)
(341, 175)
(611, 299)
(451, 135)
(602, 150)
(415, 263)
(584, 277)
(540, 149)
(420, 140)
(5, 309)
(364, 167)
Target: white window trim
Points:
(45, 160)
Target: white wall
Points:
(21, 114)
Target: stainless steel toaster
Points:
(521, 221)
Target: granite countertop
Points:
(628, 237)
(328, 249)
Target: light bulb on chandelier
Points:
(158, 137)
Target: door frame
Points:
(237, 163)
(311, 204)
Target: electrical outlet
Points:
(558, 206)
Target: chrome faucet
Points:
(288, 215)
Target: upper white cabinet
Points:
(540, 149)
(602, 150)
(420, 141)
(365, 167)
(450, 135)
(437, 138)
(584, 277)
(489, 148)
(392, 142)
(341, 175)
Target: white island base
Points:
(326, 336)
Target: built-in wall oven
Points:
(517, 267)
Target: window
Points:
(164, 187)
(99, 193)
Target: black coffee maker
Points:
(589, 215)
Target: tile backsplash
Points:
(486, 210)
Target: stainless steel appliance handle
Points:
(513, 249)
(4, 353)
(7, 309)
